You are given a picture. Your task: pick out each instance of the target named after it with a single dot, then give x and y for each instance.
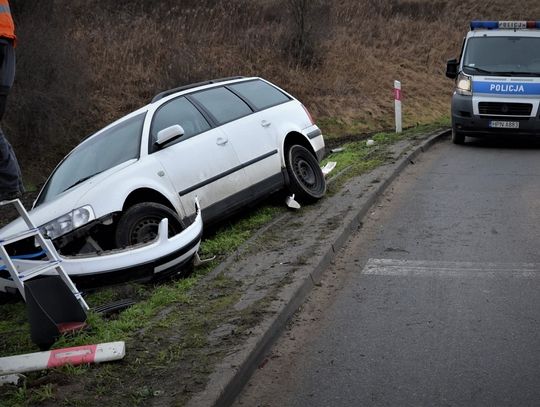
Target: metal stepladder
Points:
(53, 261)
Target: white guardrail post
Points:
(397, 102)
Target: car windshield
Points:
(97, 154)
(502, 56)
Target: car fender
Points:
(316, 143)
(109, 195)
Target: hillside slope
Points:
(80, 67)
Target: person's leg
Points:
(7, 72)
(4, 90)
(10, 173)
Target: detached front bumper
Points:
(130, 263)
(467, 122)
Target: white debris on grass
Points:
(14, 379)
(328, 168)
(291, 202)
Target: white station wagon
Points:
(225, 143)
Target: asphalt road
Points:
(434, 302)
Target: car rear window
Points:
(179, 111)
(224, 105)
(260, 94)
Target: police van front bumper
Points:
(466, 119)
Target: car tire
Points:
(306, 180)
(139, 224)
(457, 137)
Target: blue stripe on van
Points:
(506, 88)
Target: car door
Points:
(252, 138)
(201, 162)
(257, 143)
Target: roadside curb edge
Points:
(228, 384)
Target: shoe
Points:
(10, 196)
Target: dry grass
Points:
(81, 67)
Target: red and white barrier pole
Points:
(78, 355)
(397, 102)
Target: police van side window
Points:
(179, 111)
(260, 94)
(222, 104)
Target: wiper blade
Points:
(479, 70)
(502, 73)
(82, 180)
(517, 73)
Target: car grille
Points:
(505, 109)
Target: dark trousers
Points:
(10, 173)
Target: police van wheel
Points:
(457, 137)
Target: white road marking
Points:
(426, 268)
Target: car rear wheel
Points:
(306, 180)
(139, 224)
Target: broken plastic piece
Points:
(199, 262)
(370, 142)
(155, 255)
(328, 168)
(114, 307)
(292, 203)
(11, 379)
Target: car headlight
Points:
(68, 222)
(463, 85)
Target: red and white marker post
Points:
(79, 355)
(397, 102)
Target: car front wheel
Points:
(306, 180)
(139, 224)
(457, 137)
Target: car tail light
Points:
(309, 115)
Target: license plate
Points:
(499, 124)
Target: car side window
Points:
(222, 104)
(260, 94)
(179, 111)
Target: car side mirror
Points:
(168, 134)
(452, 68)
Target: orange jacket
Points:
(7, 28)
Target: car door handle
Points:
(265, 123)
(221, 141)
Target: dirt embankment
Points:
(80, 67)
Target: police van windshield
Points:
(517, 56)
(96, 155)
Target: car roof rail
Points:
(166, 93)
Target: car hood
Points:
(63, 203)
(43, 214)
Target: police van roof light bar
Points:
(508, 25)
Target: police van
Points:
(497, 80)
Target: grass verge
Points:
(175, 327)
